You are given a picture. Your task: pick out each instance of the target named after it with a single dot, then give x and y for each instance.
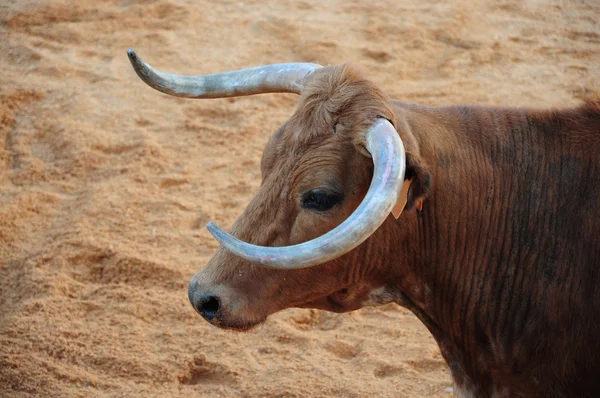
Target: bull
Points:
(483, 221)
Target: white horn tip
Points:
(215, 231)
(211, 226)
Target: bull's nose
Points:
(205, 304)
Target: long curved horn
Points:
(387, 151)
(275, 78)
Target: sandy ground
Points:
(106, 185)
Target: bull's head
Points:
(331, 176)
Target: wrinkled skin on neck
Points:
(319, 147)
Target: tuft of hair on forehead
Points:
(339, 93)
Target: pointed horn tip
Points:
(135, 60)
(220, 236)
(214, 230)
(131, 54)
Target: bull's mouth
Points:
(237, 327)
(222, 322)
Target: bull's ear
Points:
(417, 184)
(421, 182)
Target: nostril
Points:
(207, 305)
(211, 306)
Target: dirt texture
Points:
(106, 185)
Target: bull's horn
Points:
(389, 160)
(276, 78)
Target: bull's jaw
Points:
(347, 299)
(233, 309)
(234, 315)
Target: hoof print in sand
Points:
(200, 371)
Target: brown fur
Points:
(502, 263)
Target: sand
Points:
(106, 184)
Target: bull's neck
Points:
(496, 242)
(449, 240)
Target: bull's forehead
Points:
(294, 159)
(299, 138)
(310, 126)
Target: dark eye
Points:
(320, 199)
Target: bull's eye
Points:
(320, 199)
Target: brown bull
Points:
(502, 264)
